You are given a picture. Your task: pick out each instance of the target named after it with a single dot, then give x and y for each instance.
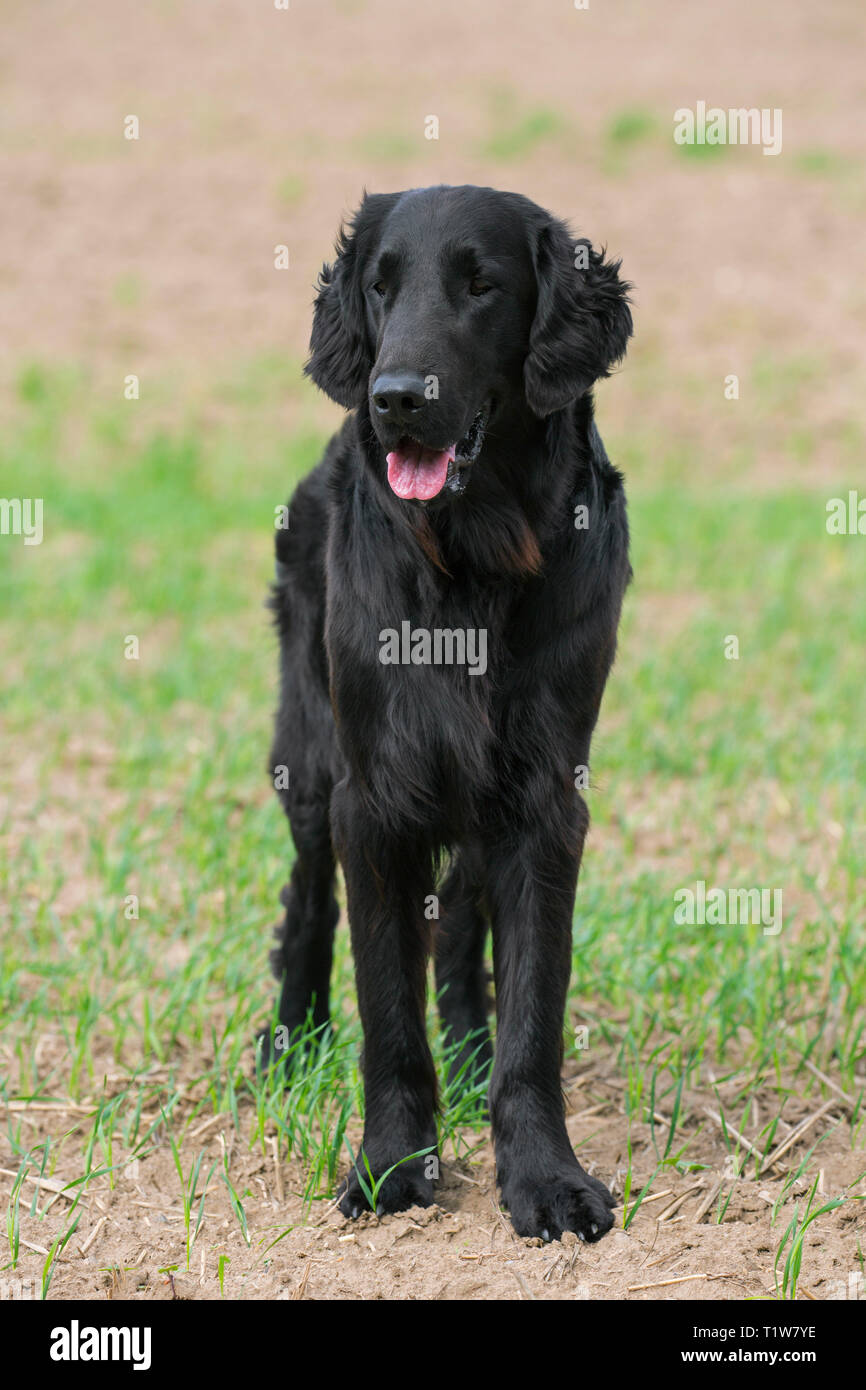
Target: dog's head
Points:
(454, 310)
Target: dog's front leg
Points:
(532, 875)
(385, 879)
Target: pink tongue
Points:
(414, 471)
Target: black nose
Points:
(398, 398)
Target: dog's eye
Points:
(478, 285)
(379, 288)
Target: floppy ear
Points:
(582, 320)
(341, 355)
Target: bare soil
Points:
(464, 1247)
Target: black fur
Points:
(415, 775)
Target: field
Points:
(714, 1073)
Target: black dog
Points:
(448, 592)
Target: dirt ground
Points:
(260, 127)
(464, 1247)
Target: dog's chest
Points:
(442, 671)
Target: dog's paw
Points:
(546, 1207)
(406, 1187)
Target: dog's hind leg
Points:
(302, 959)
(302, 768)
(461, 979)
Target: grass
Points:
(516, 139)
(795, 1234)
(702, 153)
(144, 850)
(821, 162)
(387, 144)
(291, 189)
(631, 126)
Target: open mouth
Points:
(419, 473)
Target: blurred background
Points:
(142, 847)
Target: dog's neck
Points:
(502, 524)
